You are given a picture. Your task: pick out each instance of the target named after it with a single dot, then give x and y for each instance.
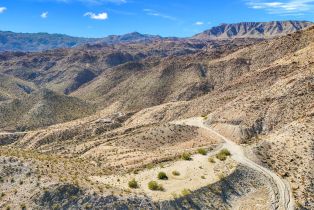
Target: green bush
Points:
(202, 151)
(223, 154)
(186, 192)
(162, 175)
(186, 156)
(175, 173)
(133, 184)
(226, 152)
(152, 185)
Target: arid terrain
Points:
(217, 121)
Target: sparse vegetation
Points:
(223, 154)
(133, 184)
(186, 192)
(211, 160)
(150, 166)
(175, 173)
(186, 156)
(202, 151)
(153, 185)
(162, 176)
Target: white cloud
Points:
(44, 15)
(99, 16)
(289, 7)
(2, 9)
(155, 13)
(199, 23)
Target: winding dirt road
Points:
(284, 198)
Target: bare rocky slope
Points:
(256, 98)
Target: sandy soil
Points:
(194, 174)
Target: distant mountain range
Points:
(262, 30)
(32, 42)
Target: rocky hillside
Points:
(260, 100)
(259, 30)
(41, 108)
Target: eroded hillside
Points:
(118, 112)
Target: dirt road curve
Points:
(285, 200)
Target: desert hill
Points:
(115, 114)
(41, 108)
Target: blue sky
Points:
(182, 18)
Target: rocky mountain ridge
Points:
(258, 30)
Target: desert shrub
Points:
(175, 173)
(133, 184)
(186, 156)
(152, 185)
(226, 152)
(211, 160)
(203, 177)
(186, 192)
(162, 175)
(223, 154)
(150, 166)
(202, 151)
